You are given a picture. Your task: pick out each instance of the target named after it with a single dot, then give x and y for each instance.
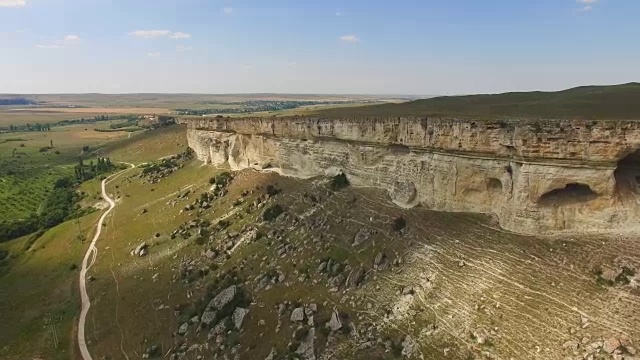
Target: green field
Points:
(27, 173)
(587, 102)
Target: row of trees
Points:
(89, 171)
(29, 127)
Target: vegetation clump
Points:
(272, 212)
(222, 179)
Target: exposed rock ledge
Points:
(536, 176)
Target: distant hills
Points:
(613, 102)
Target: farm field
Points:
(27, 173)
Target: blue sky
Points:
(373, 47)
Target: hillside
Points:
(585, 102)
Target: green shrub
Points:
(272, 212)
(272, 190)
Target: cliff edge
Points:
(536, 176)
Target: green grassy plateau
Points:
(586, 102)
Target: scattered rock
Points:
(611, 345)
(408, 346)
(362, 236)
(238, 317)
(208, 317)
(297, 315)
(182, 330)
(335, 323)
(306, 349)
(355, 277)
(223, 298)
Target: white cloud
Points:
(153, 54)
(12, 3)
(349, 38)
(180, 35)
(227, 10)
(72, 38)
(338, 13)
(49, 46)
(587, 1)
(149, 34)
(586, 8)
(182, 48)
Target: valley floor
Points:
(338, 274)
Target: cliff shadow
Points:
(627, 175)
(572, 193)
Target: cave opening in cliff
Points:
(627, 173)
(494, 185)
(570, 194)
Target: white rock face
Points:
(538, 181)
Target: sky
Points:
(421, 47)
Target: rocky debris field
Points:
(278, 268)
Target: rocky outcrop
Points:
(536, 176)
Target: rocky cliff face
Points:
(536, 176)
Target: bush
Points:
(272, 212)
(272, 190)
(339, 182)
(222, 179)
(399, 223)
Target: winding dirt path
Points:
(92, 253)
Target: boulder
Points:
(238, 317)
(362, 236)
(182, 330)
(297, 315)
(335, 323)
(217, 330)
(208, 317)
(408, 347)
(611, 345)
(223, 298)
(355, 277)
(306, 350)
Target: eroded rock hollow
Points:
(535, 176)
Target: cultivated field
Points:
(27, 173)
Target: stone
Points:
(238, 317)
(217, 330)
(208, 317)
(297, 315)
(306, 350)
(408, 290)
(321, 268)
(223, 298)
(355, 277)
(335, 323)
(271, 355)
(408, 347)
(182, 330)
(404, 192)
(140, 250)
(611, 345)
(362, 236)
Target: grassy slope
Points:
(587, 102)
(40, 281)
